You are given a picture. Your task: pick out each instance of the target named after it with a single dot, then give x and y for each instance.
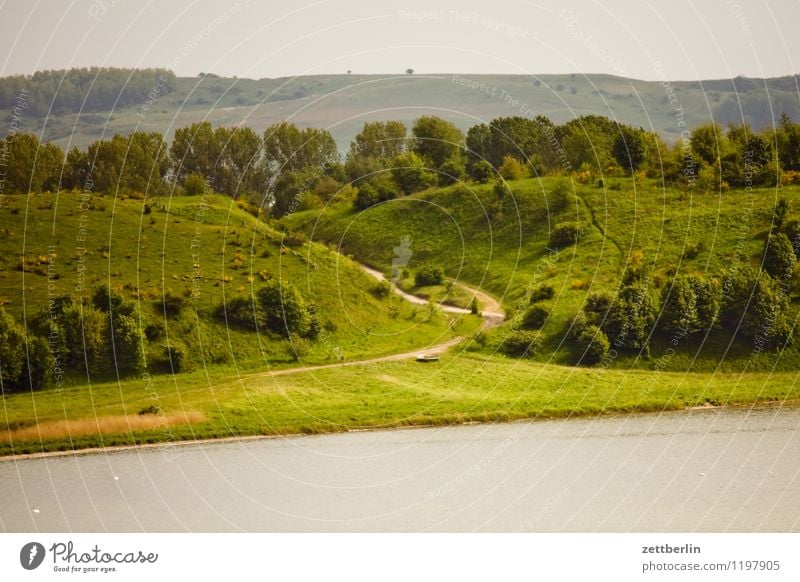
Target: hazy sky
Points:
(273, 38)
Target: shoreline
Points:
(166, 445)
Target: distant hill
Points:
(343, 103)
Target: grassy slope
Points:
(143, 255)
(326, 100)
(506, 252)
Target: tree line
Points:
(750, 303)
(287, 168)
(84, 89)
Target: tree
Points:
(85, 336)
(12, 351)
(629, 148)
(779, 257)
(708, 143)
(779, 214)
(755, 305)
(127, 352)
(409, 71)
(679, 307)
(382, 140)
(594, 345)
(482, 171)
(283, 309)
(39, 366)
(630, 319)
(437, 140)
(410, 173)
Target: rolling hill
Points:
(342, 103)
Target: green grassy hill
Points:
(501, 244)
(206, 250)
(342, 103)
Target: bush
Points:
(594, 345)
(429, 275)
(297, 347)
(501, 189)
(152, 409)
(779, 257)
(755, 305)
(450, 172)
(565, 234)
(294, 240)
(175, 357)
(283, 309)
(511, 169)
(127, 352)
(382, 289)
(474, 309)
(481, 171)
(194, 185)
(522, 343)
(792, 231)
(410, 174)
(172, 305)
(109, 301)
(630, 319)
(541, 292)
(689, 304)
(12, 349)
(153, 331)
(366, 197)
(535, 317)
(241, 312)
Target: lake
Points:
(702, 470)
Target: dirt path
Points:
(491, 313)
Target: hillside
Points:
(200, 252)
(503, 246)
(342, 103)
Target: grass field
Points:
(462, 387)
(500, 246)
(503, 247)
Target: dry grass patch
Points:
(123, 423)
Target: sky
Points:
(645, 39)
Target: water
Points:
(705, 470)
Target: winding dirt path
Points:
(492, 315)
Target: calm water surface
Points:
(707, 470)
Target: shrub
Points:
(501, 189)
(522, 343)
(172, 304)
(194, 185)
(429, 274)
(294, 240)
(109, 301)
(597, 306)
(366, 196)
(451, 171)
(535, 316)
(594, 345)
(153, 331)
(792, 231)
(511, 169)
(151, 409)
(127, 352)
(779, 257)
(473, 306)
(481, 171)
(12, 349)
(382, 289)
(241, 312)
(565, 234)
(410, 174)
(297, 347)
(541, 292)
(283, 309)
(630, 318)
(175, 357)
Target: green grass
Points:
(144, 255)
(462, 387)
(502, 246)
